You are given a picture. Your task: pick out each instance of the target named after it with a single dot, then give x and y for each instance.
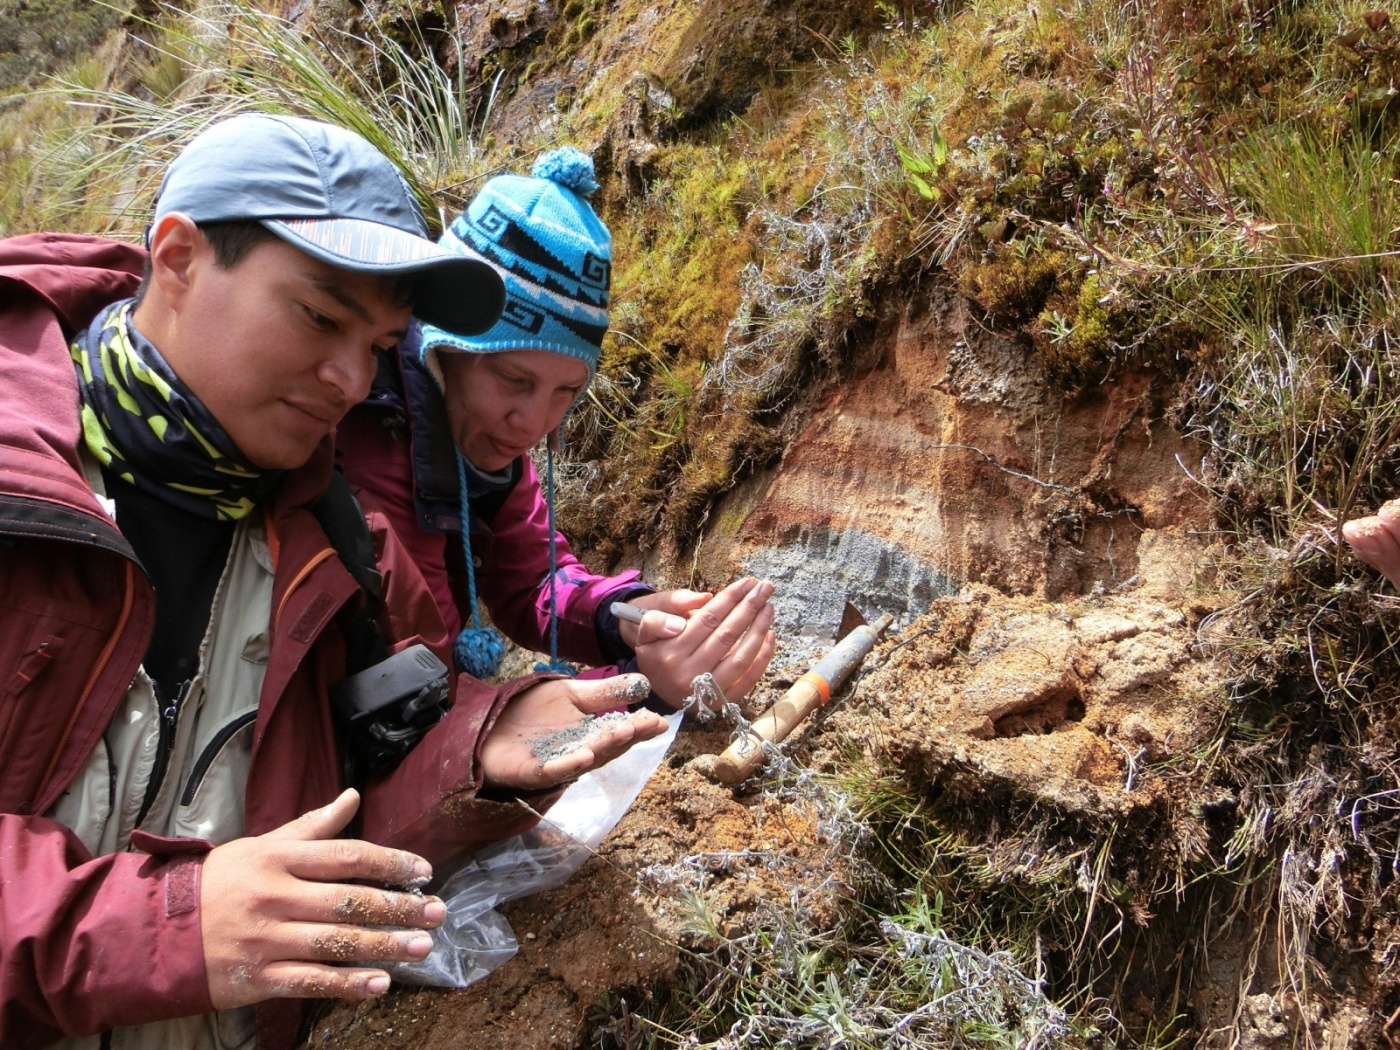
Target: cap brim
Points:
(457, 292)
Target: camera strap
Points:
(343, 520)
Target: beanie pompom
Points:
(568, 167)
(479, 651)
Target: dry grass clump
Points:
(1312, 441)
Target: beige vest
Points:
(201, 794)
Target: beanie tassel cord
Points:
(478, 650)
(555, 664)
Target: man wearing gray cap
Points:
(177, 842)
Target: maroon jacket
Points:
(511, 548)
(93, 943)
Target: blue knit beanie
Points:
(555, 257)
(552, 251)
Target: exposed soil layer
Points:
(1018, 703)
(608, 934)
(953, 451)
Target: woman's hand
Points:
(727, 635)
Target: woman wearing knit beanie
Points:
(442, 445)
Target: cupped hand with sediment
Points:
(562, 728)
(282, 914)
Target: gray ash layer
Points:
(816, 575)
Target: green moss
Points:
(1012, 287)
(680, 252)
(583, 30)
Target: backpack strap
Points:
(343, 520)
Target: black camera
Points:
(386, 708)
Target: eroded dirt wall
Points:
(951, 462)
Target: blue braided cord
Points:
(478, 650)
(553, 559)
(557, 667)
(467, 536)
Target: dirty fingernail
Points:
(378, 984)
(418, 944)
(434, 912)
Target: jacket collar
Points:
(51, 286)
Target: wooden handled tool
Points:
(806, 694)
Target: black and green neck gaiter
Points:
(144, 425)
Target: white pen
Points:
(623, 611)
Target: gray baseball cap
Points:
(328, 192)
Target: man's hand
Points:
(278, 909)
(1376, 540)
(727, 635)
(550, 733)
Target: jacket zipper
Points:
(211, 752)
(165, 742)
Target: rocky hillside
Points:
(1065, 335)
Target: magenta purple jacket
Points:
(397, 447)
(88, 943)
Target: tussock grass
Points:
(50, 182)
(231, 57)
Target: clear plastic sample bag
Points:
(475, 939)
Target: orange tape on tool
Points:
(820, 684)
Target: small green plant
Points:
(923, 168)
(1325, 201)
(661, 413)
